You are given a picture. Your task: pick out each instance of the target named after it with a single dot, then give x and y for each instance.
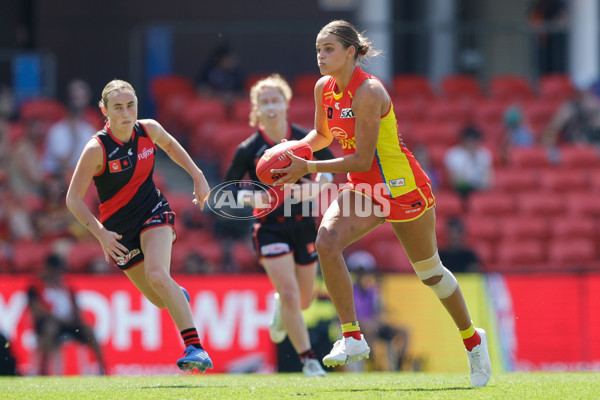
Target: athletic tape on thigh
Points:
(433, 267)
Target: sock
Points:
(351, 329)
(190, 338)
(470, 337)
(306, 355)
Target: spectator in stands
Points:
(25, 169)
(517, 133)
(389, 343)
(469, 164)
(423, 156)
(56, 315)
(15, 221)
(221, 75)
(67, 138)
(550, 18)
(6, 116)
(577, 120)
(456, 252)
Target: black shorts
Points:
(273, 239)
(65, 330)
(159, 216)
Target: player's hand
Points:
(201, 191)
(111, 247)
(296, 170)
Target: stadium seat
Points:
(481, 228)
(448, 203)
(43, 109)
(538, 113)
(555, 86)
(594, 177)
(520, 227)
(510, 88)
(81, 254)
(491, 204)
(445, 111)
(515, 180)
(530, 157)
(198, 111)
(489, 112)
(163, 87)
(303, 85)
(579, 156)
(412, 86)
(563, 228)
(251, 79)
(485, 252)
(30, 256)
(240, 110)
(390, 256)
(410, 110)
(570, 253)
(541, 204)
(302, 109)
(436, 133)
(583, 203)
(457, 87)
(519, 255)
(561, 179)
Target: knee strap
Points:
(433, 267)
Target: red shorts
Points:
(407, 207)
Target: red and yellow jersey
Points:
(393, 164)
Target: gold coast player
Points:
(285, 243)
(384, 177)
(136, 227)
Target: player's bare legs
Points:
(339, 228)
(419, 242)
(293, 295)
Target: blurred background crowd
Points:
(499, 102)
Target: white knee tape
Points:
(433, 267)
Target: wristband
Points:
(311, 166)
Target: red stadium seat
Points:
(30, 256)
(436, 133)
(491, 204)
(541, 204)
(594, 177)
(303, 85)
(412, 86)
(163, 87)
(579, 156)
(561, 179)
(530, 157)
(510, 88)
(515, 180)
(576, 252)
(302, 109)
(519, 255)
(240, 110)
(82, 254)
(521, 227)
(448, 203)
(584, 203)
(445, 111)
(47, 110)
(198, 111)
(390, 256)
(481, 228)
(555, 86)
(489, 112)
(456, 87)
(409, 110)
(563, 228)
(251, 79)
(538, 113)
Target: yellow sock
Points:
(350, 327)
(467, 333)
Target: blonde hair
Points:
(274, 81)
(348, 36)
(112, 86)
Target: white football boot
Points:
(346, 350)
(480, 366)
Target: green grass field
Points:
(345, 386)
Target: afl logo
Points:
(339, 133)
(224, 203)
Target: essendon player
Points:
(384, 178)
(136, 226)
(284, 239)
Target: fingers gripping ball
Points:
(276, 158)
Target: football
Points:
(276, 158)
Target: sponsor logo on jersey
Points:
(397, 182)
(112, 153)
(124, 260)
(130, 151)
(121, 164)
(337, 105)
(311, 248)
(342, 137)
(347, 113)
(145, 153)
(329, 112)
(274, 249)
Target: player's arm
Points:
(177, 153)
(369, 101)
(90, 163)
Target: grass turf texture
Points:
(296, 386)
